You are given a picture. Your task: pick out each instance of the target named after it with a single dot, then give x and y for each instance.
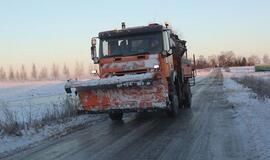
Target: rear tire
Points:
(188, 96)
(116, 116)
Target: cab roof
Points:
(152, 28)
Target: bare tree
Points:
(221, 60)
(43, 73)
(229, 58)
(201, 62)
(253, 59)
(212, 60)
(244, 61)
(79, 69)
(11, 74)
(34, 72)
(237, 61)
(266, 59)
(2, 74)
(23, 74)
(17, 75)
(55, 71)
(66, 71)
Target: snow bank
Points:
(32, 137)
(202, 74)
(253, 114)
(246, 71)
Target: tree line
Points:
(57, 72)
(53, 72)
(229, 59)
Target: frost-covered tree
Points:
(43, 74)
(55, 71)
(244, 61)
(66, 72)
(266, 59)
(237, 61)
(226, 58)
(79, 70)
(23, 74)
(253, 59)
(201, 62)
(17, 75)
(34, 72)
(212, 60)
(11, 75)
(2, 74)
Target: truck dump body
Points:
(128, 93)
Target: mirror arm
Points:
(94, 51)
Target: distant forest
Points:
(64, 72)
(230, 59)
(53, 72)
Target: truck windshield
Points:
(131, 45)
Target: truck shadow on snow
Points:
(184, 115)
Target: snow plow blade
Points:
(130, 93)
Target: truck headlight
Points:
(156, 66)
(94, 71)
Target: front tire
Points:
(116, 116)
(174, 102)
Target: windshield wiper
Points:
(121, 55)
(113, 55)
(140, 53)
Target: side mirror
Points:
(93, 41)
(94, 51)
(167, 52)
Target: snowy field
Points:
(246, 71)
(27, 99)
(30, 103)
(252, 112)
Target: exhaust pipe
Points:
(123, 25)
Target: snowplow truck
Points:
(140, 69)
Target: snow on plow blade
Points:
(128, 93)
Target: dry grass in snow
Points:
(59, 112)
(258, 85)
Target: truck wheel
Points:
(188, 95)
(174, 106)
(180, 97)
(116, 116)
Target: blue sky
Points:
(58, 31)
